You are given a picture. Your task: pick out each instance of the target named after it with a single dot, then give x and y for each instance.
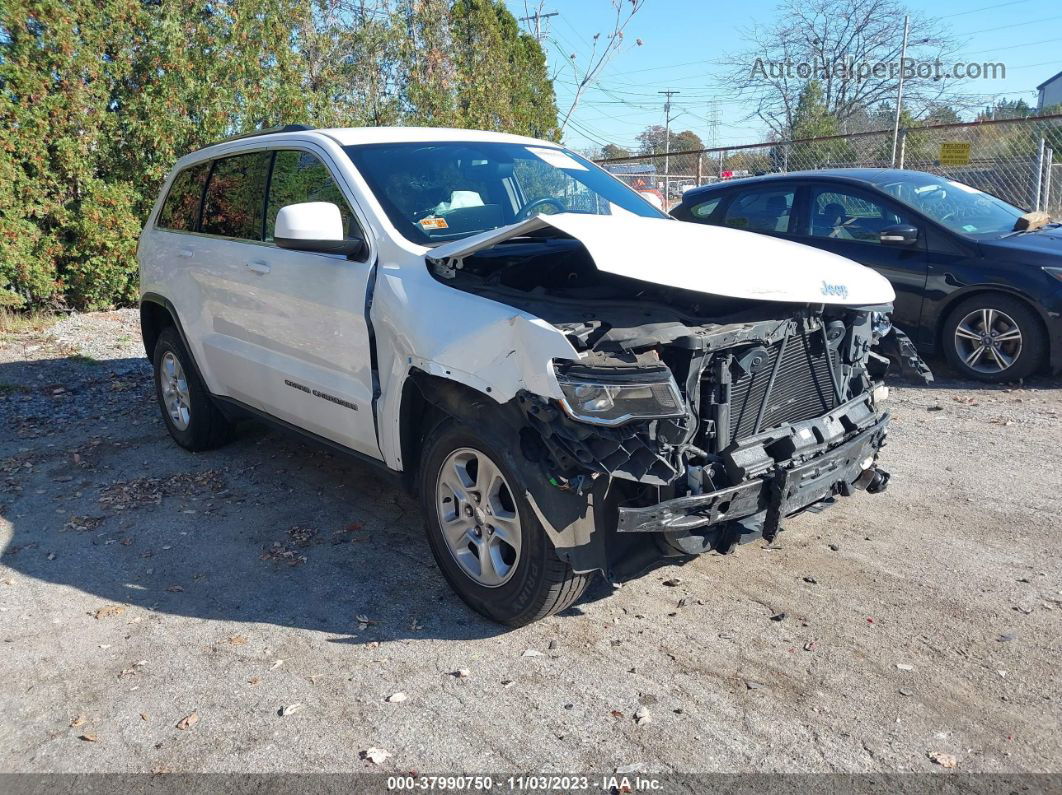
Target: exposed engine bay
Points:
(709, 418)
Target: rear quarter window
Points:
(180, 211)
(704, 210)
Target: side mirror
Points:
(899, 235)
(314, 226)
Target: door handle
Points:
(185, 252)
(258, 266)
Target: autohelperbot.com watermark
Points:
(852, 69)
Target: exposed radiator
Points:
(802, 389)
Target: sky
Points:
(682, 40)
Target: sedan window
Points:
(843, 214)
(761, 210)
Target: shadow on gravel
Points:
(946, 378)
(268, 529)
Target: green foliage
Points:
(812, 119)
(652, 140)
(609, 151)
(98, 99)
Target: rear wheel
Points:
(191, 416)
(993, 337)
(487, 540)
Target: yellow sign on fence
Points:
(955, 153)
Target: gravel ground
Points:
(251, 609)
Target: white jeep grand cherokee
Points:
(570, 380)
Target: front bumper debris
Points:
(779, 492)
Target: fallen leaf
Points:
(396, 698)
(144, 716)
(254, 680)
(375, 755)
(944, 760)
(80, 720)
(108, 611)
(188, 721)
(89, 738)
(237, 640)
(616, 714)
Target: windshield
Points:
(957, 206)
(433, 192)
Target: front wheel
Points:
(486, 538)
(993, 337)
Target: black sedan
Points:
(971, 282)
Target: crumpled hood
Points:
(706, 259)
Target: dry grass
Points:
(15, 324)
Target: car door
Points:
(292, 337)
(847, 220)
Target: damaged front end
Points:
(777, 416)
(689, 422)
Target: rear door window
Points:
(235, 196)
(180, 211)
(300, 177)
(763, 209)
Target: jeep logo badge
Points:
(839, 290)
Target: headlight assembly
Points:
(880, 324)
(614, 397)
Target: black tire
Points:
(1009, 310)
(207, 427)
(541, 584)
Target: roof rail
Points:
(266, 131)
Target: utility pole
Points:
(899, 89)
(538, 16)
(667, 140)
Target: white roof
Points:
(348, 136)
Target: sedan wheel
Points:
(994, 337)
(988, 341)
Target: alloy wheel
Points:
(988, 341)
(175, 391)
(478, 517)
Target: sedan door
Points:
(848, 220)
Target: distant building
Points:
(1050, 92)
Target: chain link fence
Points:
(1018, 160)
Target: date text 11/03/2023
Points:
(614, 782)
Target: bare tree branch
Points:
(598, 60)
(852, 47)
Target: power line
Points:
(985, 8)
(1015, 25)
